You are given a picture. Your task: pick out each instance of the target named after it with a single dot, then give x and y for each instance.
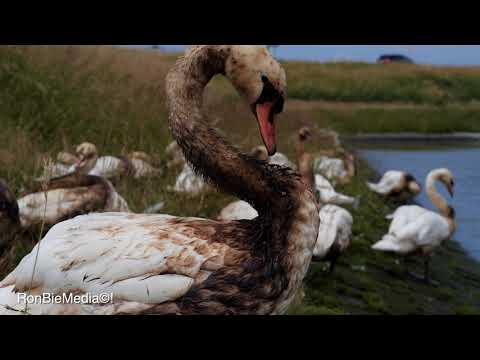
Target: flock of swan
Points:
(252, 259)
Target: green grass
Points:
(53, 97)
(361, 82)
(439, 120)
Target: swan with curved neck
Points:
(416, 230)
(158, 264)
(334, 235)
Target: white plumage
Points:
(189, 183)
(423, 233)
(327, 194)
(238, 210)
(55, 205)
(416, 230)
(329, 167)
(282, 160)
(335, 231)
(143, 259)
(394, 182)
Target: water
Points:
(464, 162)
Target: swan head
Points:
(412, 184)
(304, 134)
(262, 81)
(87, 157)
(8, 205)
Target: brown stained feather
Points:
(91, 193)
(255, 273)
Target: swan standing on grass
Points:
(415, 230)
(335, 231)
(158, 264)
(334, 235)
(61, 199)
(396, 184)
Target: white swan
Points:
(141, 164)
(108, 167)
(396, 184)
(157, 264)
(327, 194)
(338, 171)
(334, 236)
(188, 182)
(415, 230)
(60, 199)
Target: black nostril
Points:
(265, 79)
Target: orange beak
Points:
(266, 122)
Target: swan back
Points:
(335, 229)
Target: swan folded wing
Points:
(56, 205)
(140, 258)
(404, 215)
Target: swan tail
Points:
(372, 186)
(387, 244)
(389, 217)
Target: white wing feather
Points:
(145, 259)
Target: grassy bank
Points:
(54, 97)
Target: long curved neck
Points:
(305, 164)
(204, 148)
(435, 197)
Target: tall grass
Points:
(408, 83)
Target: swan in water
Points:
(60, 199)
(416, 230)
(396, 184)
(159, 264)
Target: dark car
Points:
(387, 59)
